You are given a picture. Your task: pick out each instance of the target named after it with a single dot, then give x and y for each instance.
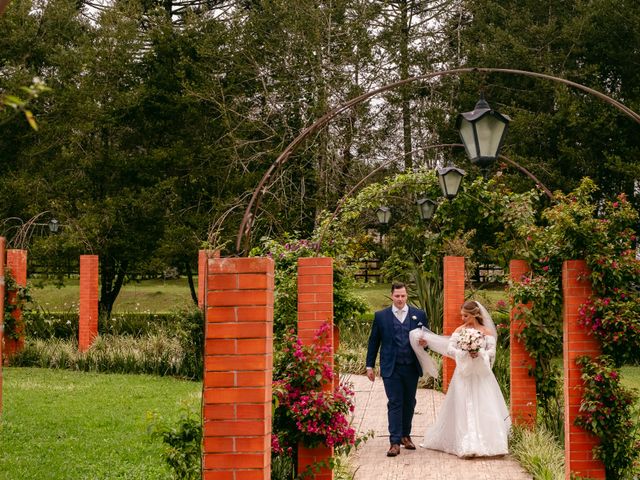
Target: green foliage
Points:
(558, 133)
(576, 227)
(20, 104)
(347, 305)
(538, 452)
(542, 335)
(41, 324)
(304, 411)
(21, 297)
(155, 354)
(607, 411)
(182, 441)
(169, 344)
(429, 296)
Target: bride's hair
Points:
(472, 308)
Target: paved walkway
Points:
(371, 463)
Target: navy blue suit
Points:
(399, 367)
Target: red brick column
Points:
(88, 319)
(203, 256)
(315, 308)
(17, 265)
(2, 260)
(578, 443)
(238, 369)
(523, 386)
(453, 299)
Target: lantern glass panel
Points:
(489, 130)
(468, 138)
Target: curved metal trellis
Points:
(248, 218)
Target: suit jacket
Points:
(382, 338)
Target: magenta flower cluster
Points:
(307, 409)
(607, 411)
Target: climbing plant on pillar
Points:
(285, 253)
(20, 296)
(576, 227)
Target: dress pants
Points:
(401, 388)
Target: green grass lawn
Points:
(150, 295)
(67, 425)
(631, 377)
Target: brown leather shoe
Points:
(407, 443)
(394, 450)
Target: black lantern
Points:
(482, 131)
(384, 215)
(53, 225)
(426, 208)
(450, 178)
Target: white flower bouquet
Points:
(470, 340)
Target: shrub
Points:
(155, 354)
(182, 442)
(306, 409)
(538, 452)
(170, 344)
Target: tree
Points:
(559, 134)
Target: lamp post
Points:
(450, 179)
(54, 225)
(482, 131)
(426, 208)
(384, 215)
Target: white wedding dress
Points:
(474, 419)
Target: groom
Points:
(399, 365)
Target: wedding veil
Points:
(440, 343)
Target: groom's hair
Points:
(397, 286)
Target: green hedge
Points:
(44, 325)
(170, 344)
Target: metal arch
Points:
(428, 147)
(248, 218)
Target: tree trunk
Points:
(405, 90)
(192, 288)
(111, 280)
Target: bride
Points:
(474, 419)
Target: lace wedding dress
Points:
(474, 419)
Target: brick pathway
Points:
(371, 463)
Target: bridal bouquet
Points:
(470, 340)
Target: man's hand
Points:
(371, 374)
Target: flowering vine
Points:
(22, 296)
(306, 408)
(607, 411)
(601, 233)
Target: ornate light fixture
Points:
(482, 131)
(384, 215)
(450, 179)
(54, 225)
(426, 208)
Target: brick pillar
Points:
(238, 369)
(453, 299)
(578, 444)
(315, 308)
(2, 259)
(88, 318)
(17, 265)
(523, 386)
(203, 255)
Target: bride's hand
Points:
(422, 342)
